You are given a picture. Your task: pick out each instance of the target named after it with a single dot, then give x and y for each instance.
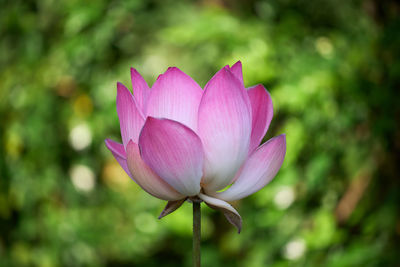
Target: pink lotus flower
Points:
(180, 142)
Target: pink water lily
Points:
(181, 142)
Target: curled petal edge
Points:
(119, 154)
(230, 213)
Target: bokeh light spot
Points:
(82, 178)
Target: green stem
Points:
(196, 233)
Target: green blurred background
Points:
(331, 66)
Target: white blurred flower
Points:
(80, 136)
(82, 178)
(284, 197)
(294, 249)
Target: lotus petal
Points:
(262, 113)
(141, 90)
(146, 178)
(260, 168)
(174, 152)
(175, 96)
(224, 128)
(236, 69)
(119, 154)
(131, 119)
(230, 213)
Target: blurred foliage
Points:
(332, 67)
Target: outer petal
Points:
(171, 207)
(174, 152)
(141, 90)
(236, 69)
(119, 154)
(224, 128)
(175, 96)
(259, 170)
(230, 213)
(131, 119)
(146, 178)
(262, 113)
